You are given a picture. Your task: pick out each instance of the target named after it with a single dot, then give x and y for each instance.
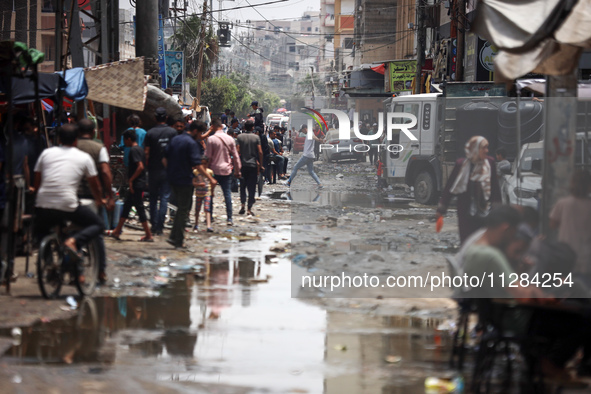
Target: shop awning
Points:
(121, 84)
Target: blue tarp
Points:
(77, 88)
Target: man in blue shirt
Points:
(134, 123)
(183, 154)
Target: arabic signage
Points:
(401, 75)
(479, 62)
(174, 70)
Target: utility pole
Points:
(59, 34)
(147, 29)
(420, 45)
(461, 15)
(201, 48)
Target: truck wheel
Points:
(425, 188)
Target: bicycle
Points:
(118, 170)
(53, 264)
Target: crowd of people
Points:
(179, 160)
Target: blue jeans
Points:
(159, 189)
(225, 181)
(309, 163)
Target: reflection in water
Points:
(232, 330)
(366, 345)
(177, 314)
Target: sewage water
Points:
(339, 199)
(237, 327)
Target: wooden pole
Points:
(201, 49)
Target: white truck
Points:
(445, 122)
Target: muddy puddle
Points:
(339, 199)
(236, 325)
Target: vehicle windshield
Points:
(529, 155)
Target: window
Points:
(48, 45)
(348, 43)
(309, 29)
(48, 6)
(409, 109)
(292, 48)
(316, 29)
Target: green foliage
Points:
(236, 92)
(311, 83)
(217, 93)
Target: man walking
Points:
(306, 160)
(251, 157)
(98, 152)
(221, 150)
(182, 156)
(156, 142)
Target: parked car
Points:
(341, 149)
(528, 192)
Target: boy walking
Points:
(203, 195)
(137, 185)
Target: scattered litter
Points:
(164, 269)
(340, 176)
(279, 248)
(393, 359)
(421, 223)
(259, 280)
(72, 302)
(342, 348)
(438, 385)
(116, 282)
(159, 281)
(17, 379)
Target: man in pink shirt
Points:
(223, 160)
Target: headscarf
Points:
(480, 173)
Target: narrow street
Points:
(220, 316)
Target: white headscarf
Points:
(480, 173)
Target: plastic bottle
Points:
(438, 385)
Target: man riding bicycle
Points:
(58, 173)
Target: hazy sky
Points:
(288, 9)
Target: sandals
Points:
(145, 239)
(111, 233)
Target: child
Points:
(203, 192)
(137, 185)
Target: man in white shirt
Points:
(306, 160)
(58, 174)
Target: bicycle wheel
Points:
(88, 268)
(119, 181)
(49, 267)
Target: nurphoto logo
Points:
(344, 127)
